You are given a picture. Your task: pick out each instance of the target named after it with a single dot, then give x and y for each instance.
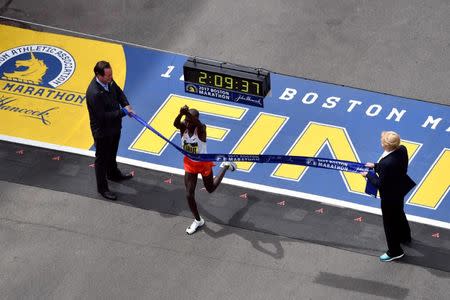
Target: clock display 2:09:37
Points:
(230, 83)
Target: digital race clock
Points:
(226, 81)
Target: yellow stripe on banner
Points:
(258, 137)
(162, 121)
(310, 143)
(436, 183)
(43, 81)
(216, 133)
(412, 148)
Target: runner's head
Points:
(192, 118)
(194, 113)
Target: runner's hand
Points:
(184, 110)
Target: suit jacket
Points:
(104, 108)
(391, 176)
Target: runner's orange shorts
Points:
(198, 167)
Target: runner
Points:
(193, 140)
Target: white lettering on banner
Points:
(169, 70)
(307, 96)
(431, 120)
(372, 113)
(332, 166)
(212, 92)
(372, 110)
(331, 102)
(288, 94)
(353, 103)
(395, 111)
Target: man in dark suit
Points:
(104, 102)
(393, 182)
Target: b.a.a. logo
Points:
(42, 65)
(37, 72)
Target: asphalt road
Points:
(398, 47)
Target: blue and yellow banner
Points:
(42, 98)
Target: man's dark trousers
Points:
(105, 160)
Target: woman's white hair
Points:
(390, 139)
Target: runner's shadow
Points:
(152, 193)
(169, 200)
(156, 194)
(246, 230)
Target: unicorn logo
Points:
(35, 70)
(311, 162)
(190, 88)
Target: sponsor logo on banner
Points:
(191, 88)
(36, 71)
(7, 103)
(37, 64)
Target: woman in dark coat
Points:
(393, 182)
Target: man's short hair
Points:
(100, 67)
(194, 112)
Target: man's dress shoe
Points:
(109, 195)
(121, 177)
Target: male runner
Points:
(193, 139)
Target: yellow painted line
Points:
(258, 137)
